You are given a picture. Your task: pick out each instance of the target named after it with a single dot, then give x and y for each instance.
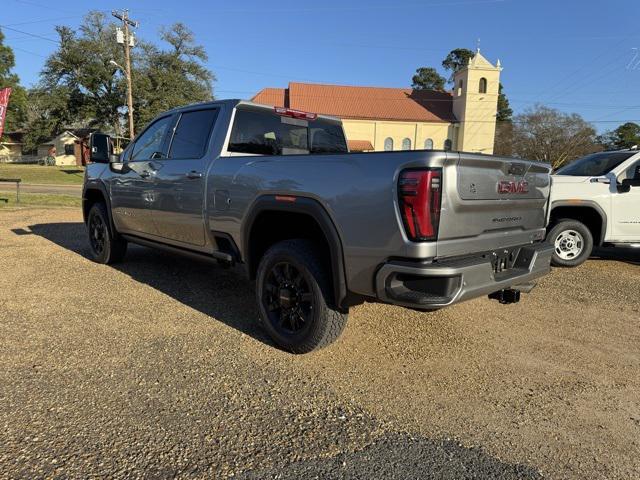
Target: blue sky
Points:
(574, 55)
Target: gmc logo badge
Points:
(505, 186)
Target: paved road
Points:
(157, 369)
(75, 190)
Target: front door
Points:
(180, 180)
(626, 209)
(132, 188)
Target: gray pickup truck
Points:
(320, 229)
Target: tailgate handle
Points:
(517, 169)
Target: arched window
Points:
(460, 87)
(447, 145)
(483, 85)
(428, 144)
(406, 144)
(388, 144)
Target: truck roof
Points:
(234, 102)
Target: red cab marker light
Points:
(285, 198)
(299, 114)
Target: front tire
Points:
(572, 242)
(107, 247)
(293, 293)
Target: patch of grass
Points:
(69, 175)
(40, 200)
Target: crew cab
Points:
(319, 229)
(595, 201)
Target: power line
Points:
(29, 34)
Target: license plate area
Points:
(503, 260)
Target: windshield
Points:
(595, 165)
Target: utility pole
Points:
(126, 23)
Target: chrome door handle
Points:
(145, 174)
(194, 174)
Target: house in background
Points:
(66, 147)
(11, 147)
(377, 119)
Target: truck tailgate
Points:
(490, 203)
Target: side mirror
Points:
(100, 148)
(632, 182)
(623, 187)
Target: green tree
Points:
(504, 110)
(17, 109)
(81, 75)
(427, 78)
(81, 71)
(503, 144)
(166, 79)
(548, 135)
(456, 60)
(625, 136)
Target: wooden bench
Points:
(12, 180)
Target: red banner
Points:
(4, 102)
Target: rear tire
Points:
(107, 246)
(293, 292)
(572, 242)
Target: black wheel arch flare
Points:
(307, 206)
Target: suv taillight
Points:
(419, 193)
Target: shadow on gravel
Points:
(219, 292)
(399, 456)
(622, 254)
(227, 296)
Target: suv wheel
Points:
(106, 247)
(572, 242)
(292, 290)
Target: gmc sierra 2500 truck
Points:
(319, 229)
(595, 201)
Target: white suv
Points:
(594, 201)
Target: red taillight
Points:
(419, 194)
(290, 112)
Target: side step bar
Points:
(207, 257)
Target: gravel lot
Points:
(157, 369)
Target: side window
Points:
(406, 144)
(192, 134)
(428, 144)
(68, 149)
(388, 144)
(149, 144)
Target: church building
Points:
(377, 119)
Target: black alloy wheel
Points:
(287, 298)
(97, 234)
(294, 293)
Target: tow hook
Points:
(506, 296)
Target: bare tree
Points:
(548, 135)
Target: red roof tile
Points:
(362, 102)
(359, 145)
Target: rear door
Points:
(491, 202)
(132, 188)
(180, 178)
